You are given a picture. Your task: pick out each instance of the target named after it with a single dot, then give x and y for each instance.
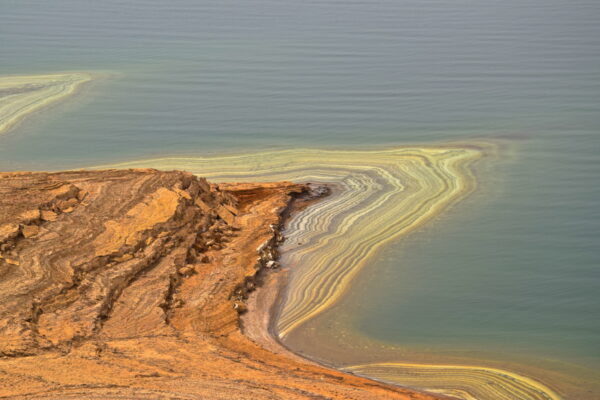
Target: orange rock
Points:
(29, 216)
(30, 230)
(8, 231)
(83, 318)
(48, 215)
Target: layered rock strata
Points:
(130, 284)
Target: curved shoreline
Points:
(125, 284)
(386, 193)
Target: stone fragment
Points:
(178, 303)
(30, 230)
(29, 216)
(48, 215)
(123, 258)
(183, 194)
(72, 202)
(240, 307)
(8, 231)
(231, 209)
(203, 206)
(263, 246)
(65, 191)
(226, 215)
(188, 270)
(82, 195)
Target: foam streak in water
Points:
(383, 195)
(23, 95)
(379, 196)
(460, 381)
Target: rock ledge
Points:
(125, 284)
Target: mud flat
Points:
(22, 95)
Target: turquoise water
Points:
(516, 268)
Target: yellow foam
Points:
(382, 195)
(459, 381)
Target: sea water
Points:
(512, 271)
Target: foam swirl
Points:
(380, 196)
(25, 94)
(460, 381)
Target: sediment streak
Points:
(380, 195)
(460, 381)
(25, 94)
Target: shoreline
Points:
(146, 303)
(264, 325)
(258, 322)
(389, 192)
(478, 381)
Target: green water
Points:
(514, 270)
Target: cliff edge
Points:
(125, 284)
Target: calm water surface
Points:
(515, 270)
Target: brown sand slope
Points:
(128, 284)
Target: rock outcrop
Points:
(125, 284)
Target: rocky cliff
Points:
(130, 284)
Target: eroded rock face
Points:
(129, 284)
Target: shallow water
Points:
(513, 271)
